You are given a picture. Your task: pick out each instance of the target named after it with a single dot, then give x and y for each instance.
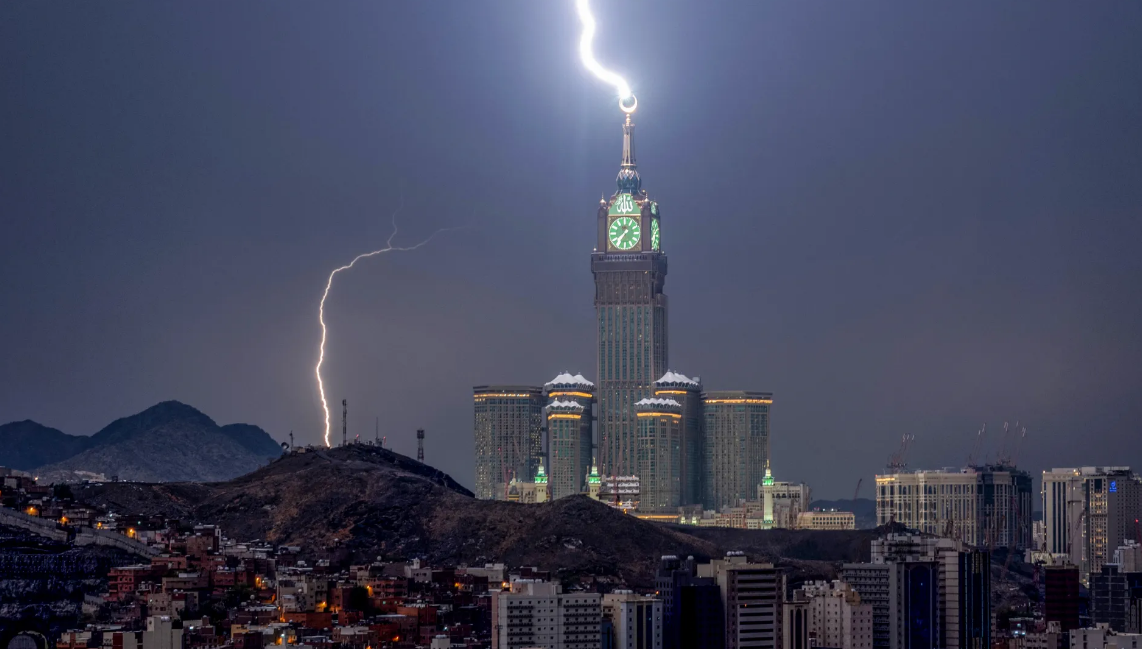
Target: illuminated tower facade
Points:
(688, 392)
(630, 270)
(737, 445)
(659, 454)
(569, 451)
(508, 424)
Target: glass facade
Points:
(737, 445)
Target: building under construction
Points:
(984, 506)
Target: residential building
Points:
(629, 267)
(872, 582)
(688, 392)
(163, 632)
(569, 415)
(539, 614)
(752, 595)
(508, 424)
(982, 506)
(636, 620)
(736, 433)
(827, 614)
(659, 454)
(830, 519)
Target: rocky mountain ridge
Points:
(360, 501)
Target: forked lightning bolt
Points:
(389, 247)
(587, 55)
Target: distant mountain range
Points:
(168, 442)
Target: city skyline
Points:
(890, 235)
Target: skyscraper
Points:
(737, 445)
(752, 595)
(508, 423)
(659, 454)
(1089, 511)
(629, 269)
(569, 421)
(688, 392)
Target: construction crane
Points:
(1009, 449)
(972, 457)
(898, 461)
(856, 492)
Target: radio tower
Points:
(420, 445)
(344, 422)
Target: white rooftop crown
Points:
(674, 378)
(565, 379)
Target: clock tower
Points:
(630, 270)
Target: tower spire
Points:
(629, 181)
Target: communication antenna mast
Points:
(344, 422)
(378, 433)
(291, 439)
(420, 445)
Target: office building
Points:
(540, 614)
(688, 392)
(981, 506)
(659, 454)
(782, 502)
(636, 620)
(569, 415)
(1088, 512)
(1061, 596)
(752, 595)
(737, 445)
(871, 582)
(629, 267)
(829, 519)
(508, 425)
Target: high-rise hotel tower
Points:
(630, 270)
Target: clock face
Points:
(624, 204)
(654, 234)
(624, 233)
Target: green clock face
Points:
(654, 234)
(624, 204)
(624, 233)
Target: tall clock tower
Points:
(630, 270)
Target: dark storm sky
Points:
(898, 217)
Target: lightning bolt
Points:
(587, 55)
(389, 247)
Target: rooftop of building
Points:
(508, 391)
(674, 379)
(567, 380)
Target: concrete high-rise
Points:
(752, 595)
(540, 614)
(659, 454)
(636, 620)
(569, 415)
(737, 445)
(629, 267)
(688, 392)
(509, 444)
(1089, 512)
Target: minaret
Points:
(540, 484)
(631, 315)
(594, 482)
(767, 495)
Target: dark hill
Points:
(26, 445)
(366, 501)
(170, 441)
